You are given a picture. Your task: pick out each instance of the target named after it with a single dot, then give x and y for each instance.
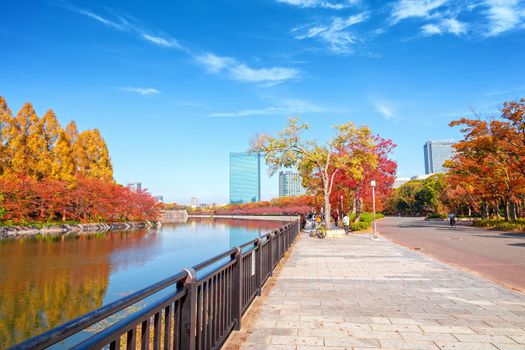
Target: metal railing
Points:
(193, 312)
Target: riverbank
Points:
(9, 232)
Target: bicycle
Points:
(453, 223)
(319, 231)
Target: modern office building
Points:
(135, 186)
(290, 184)
(436, 153)
(194, 203)
(245, 177)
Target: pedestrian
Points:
(346, 223)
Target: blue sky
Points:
(174, 86)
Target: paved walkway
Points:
(497, 255)
(355, 293)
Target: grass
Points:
(518, 225)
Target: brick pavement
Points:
(355, 293)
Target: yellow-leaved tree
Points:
(92, 156)
(6, 118)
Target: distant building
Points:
(245, 177)
(290, 184)
(159, 199)
(399, 181)
(436, 153)
(420, 177)
(194, 203)
(135, 186)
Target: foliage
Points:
(278, 206)
(365, 221)
(39, 148)
(85, 200)
(517, 225)
(48, 173)
(418, 197)
(352, 154)
(487, 172)
(437, 216)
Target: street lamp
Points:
(373, 184)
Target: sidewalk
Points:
(355, 293)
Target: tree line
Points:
(485, 177)
(50, 173)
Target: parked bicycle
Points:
(319, 231)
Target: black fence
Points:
(193, 312)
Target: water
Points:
(45, 282)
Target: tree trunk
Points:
(506, 211)
(327, 208)
(358, 209)
(512, 211)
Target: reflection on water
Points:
(46, 281)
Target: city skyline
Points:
(175, 87)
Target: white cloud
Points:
(124, 25)
(140, 91)
(454, 26)
(241, 72)
(504, 15)
(386, 109)
(287, 107)
(161, 41)
(403, 9)
(431, 29)
(449, 25)
(336, 34)
(335, 5)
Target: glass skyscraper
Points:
(290, 184)
(245, 177)
(436, 153)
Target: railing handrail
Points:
(63, 331)
(80, 323)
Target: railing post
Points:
(270, 252)
(258, 266)
(237, 289)
(189, 311)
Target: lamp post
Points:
(373, 184)
(342, 208)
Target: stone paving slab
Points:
(356, 293)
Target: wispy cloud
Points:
(242, 72)
(287, 107)
(449, 25)
(335, 5)
(123, 24)
(140, 90)
(504, 15)
(239, 71)
(404, 9)
(386, 109)
(336, 34)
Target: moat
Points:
(46, 281)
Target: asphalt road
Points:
(495, 255)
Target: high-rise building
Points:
(290, 184)
(245, 177)
(194, 202)
(159, 199)
(135, 186)
(436, 153)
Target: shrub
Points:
(437, 216)
(365, 221)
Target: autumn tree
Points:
(317, 164)
(6, 119)
(91, 155)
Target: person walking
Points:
(346, 223)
